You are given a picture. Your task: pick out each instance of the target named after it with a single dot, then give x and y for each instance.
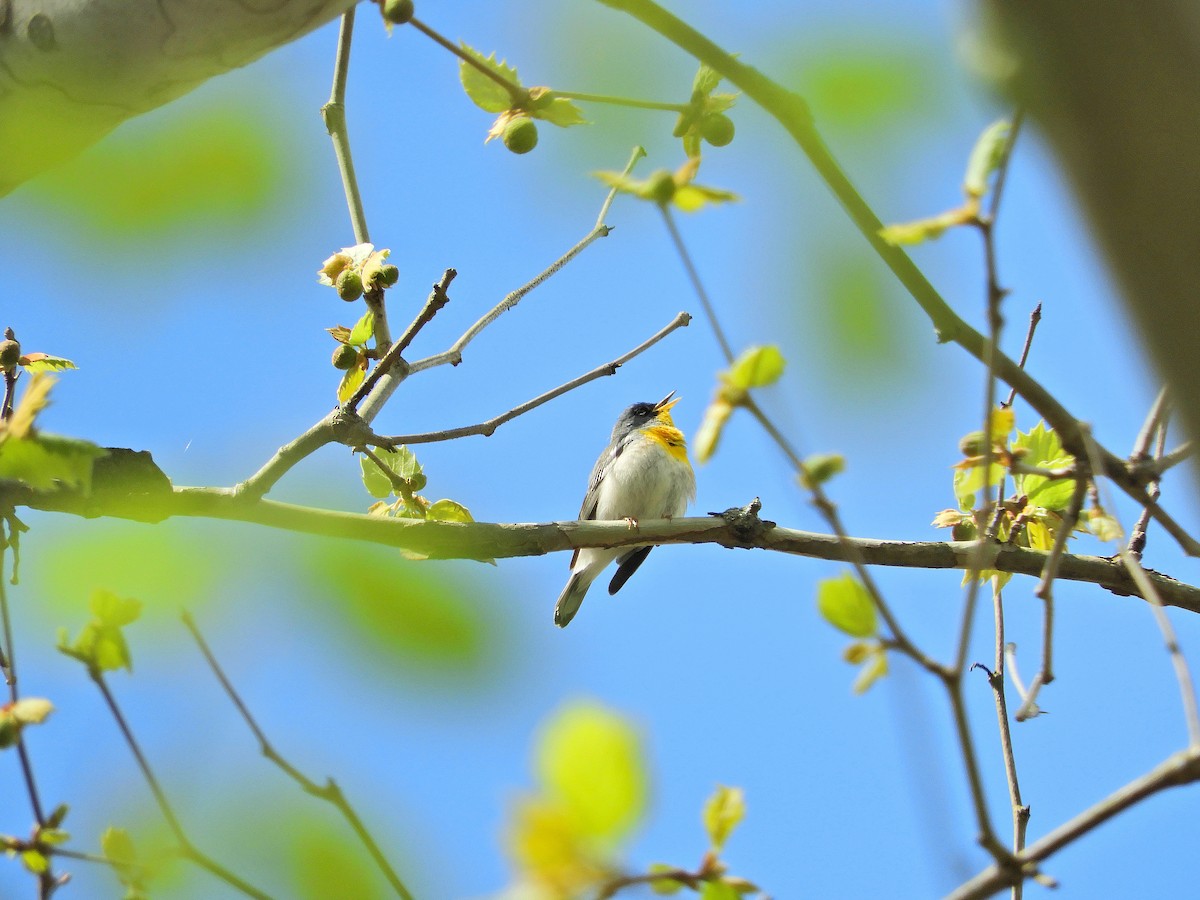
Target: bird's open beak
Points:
(666, 403)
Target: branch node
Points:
(744, 522)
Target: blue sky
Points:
(203, 342)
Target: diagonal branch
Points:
(488, 428)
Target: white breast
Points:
(644, 482)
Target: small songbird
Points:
(643, 473)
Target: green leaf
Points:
(757, 367)
(363, 330)
(1042, 448)
(664, 886)
(448, 511)
(968, 480)
(986, 157)
(712, 426)
(55, 819)
(820, 467)
(53, 836)
(34, 861)
(722, 813)
(402, 462)
(718, 890)
(692, 197)
(556, 110)
(350, 381)
(117, 846)
(705, 81)
(847, 606)
(114, 611)
(485, 92)
(44, 461)
(42, 362)
(590, 760)
(921, 230)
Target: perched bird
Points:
(643, 473)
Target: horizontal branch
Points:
(154, 502)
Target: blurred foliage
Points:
(170, 565)
(163, 177)
(861, 84)
(423, 618)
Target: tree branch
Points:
(485, 540)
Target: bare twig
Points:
(697, 284)
(330, 792)
(1187, 688)
(372, 400)
(489, 427)
(1034, 318)
(47, 881)
(1180, 769)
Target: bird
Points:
(643, 473)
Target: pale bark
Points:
(73, 70)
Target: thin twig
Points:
(1045, 592)
(453, 356)
(330, 792)
(518, 94)
(489, 427)
(1020, 812)
(47, 881)
(1160, 412)
(1187, 688)
(372, 400)
(629, 102)
(637, 154)
(1034, 318)
(334, 115)
(187, 848)
(697, 284)
(1179, 769)
(1154, 431)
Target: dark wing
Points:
(592, 498)
(626, 566)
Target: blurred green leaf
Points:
(158, 181)
(109, 609)
(34, 861)
(327, 861)
(722, 813)
(45, 460)
(402, 462)
(863, 84)
(556, 110)
(590, 759)
(423, 618)
(986, 157)
(174, 564)
(718, 890)
(820, 467)
(485, 92)
(847, 606)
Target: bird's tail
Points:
(572, 596)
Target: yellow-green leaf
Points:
(722, 813)
(757, 367)
(485, 92)
(43, 362)
(708, 435)
(847, 606)
(363, 330)
(921, 230)
(589, 759)
(448, 511)
(986, 156)
(875, 668)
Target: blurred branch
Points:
(330, 792)
(489, 427)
